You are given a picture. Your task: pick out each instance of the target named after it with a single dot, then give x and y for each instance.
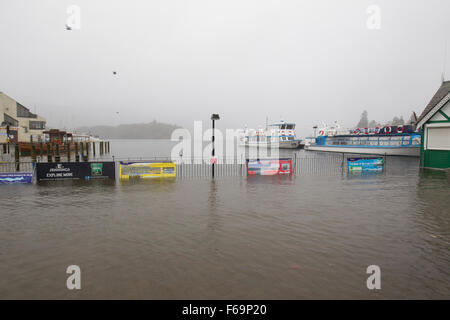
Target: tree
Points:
(364, 120)
(373, 124)
(397, 121)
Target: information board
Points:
(269, 167)
(365, 164)
(147, 170)
(75, 170)
(16, 177)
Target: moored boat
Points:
(281, 135)
(399, 140)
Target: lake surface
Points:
(300, 237)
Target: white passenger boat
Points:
(281, 135)
(390, 140)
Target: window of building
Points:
(37, 125)
(438, 138)
(10, 120)
(24, 112)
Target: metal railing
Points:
(192, 170)
(302, 164)
(16, 167)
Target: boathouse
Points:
(435, 124)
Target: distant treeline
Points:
(152, 130)
(396, 121)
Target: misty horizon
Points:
(179, 61)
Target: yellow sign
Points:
(147, 170)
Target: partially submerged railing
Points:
(314, 163)
(16, 167)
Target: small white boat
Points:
(281, 135)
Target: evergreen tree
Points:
(364, 121)
(395, 121)
(373, 124)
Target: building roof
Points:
(443, 91)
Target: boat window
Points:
(385, 141)
(406, 140)
(363, 141)
(373, 141)
(396, 141)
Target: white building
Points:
(24, 126)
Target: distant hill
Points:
(152, 130)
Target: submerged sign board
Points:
(365, 164)
(269, 167)
(75, 170)
(147, 170)
(16, 177)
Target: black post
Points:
(49, 153)
(213, 151)
(214, 117)
(7, 136)
(17, 157)
(68, 150)
(77, 156)
(57, 156)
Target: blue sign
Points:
(16, 177)
(365, 164)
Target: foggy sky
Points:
(181, 60)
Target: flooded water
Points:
(291, 237)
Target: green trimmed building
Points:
(435, 124)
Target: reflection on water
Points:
(233, 237)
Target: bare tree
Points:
(412, 119)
